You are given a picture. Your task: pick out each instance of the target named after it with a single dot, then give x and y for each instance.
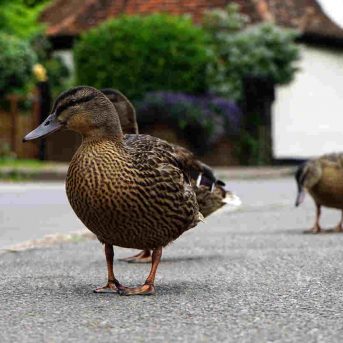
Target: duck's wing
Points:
(211, 193)
(193, 169)
(166, 177)
(200, 172)
(157, 152)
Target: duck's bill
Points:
(300, 197)
(49, 125)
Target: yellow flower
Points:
(40, 72)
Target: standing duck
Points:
(125, 110)
(211, 193)
(131, 191)
(322, 178)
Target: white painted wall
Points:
(308, 113)
(67, 57)
(333, 9)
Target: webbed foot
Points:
(145, 289)
(143, 257)
(314, 230)
(110, 287)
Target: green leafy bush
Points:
(262, 50)
(20, 17)
(16, 61)
(202, 120)
(142, 54)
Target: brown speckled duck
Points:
(322, 178)
(132, 191)
(211, 193)
(125, 110)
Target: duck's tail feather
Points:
(232, 200)
(201, 218)
(300, 176)
(231, 203)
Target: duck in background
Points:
(322, 178)
(125, 110)
(212, 194)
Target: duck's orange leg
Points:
(339, 227)
(143, 257)
(316, 228)
(148, 288)
(113, 284)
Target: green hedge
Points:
(21, 17)
(16, 62)
(262, 50)
(141, 54)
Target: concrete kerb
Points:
(49, 241)
(47, 173)
(58, 173)
(229, 173)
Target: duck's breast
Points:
(128, 207)
(329, 190)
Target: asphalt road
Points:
(32, 210)
(248, 276)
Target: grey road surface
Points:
(32, 210)
(248, 276)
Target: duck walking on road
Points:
(131, 191)
(322, 178)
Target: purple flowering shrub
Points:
(201, 119)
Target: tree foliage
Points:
(142, 54)
(19, 20)
(20, 17)
(262, 50)
(16, 62)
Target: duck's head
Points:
(125, 109)
(82, 109)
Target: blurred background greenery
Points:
(187, 75)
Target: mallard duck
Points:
(131, 191)
(211, 193)
(322, 178)
(125, 110)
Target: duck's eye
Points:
(47, 123)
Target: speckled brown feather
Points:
(131, 194)
(328, 191)
(210, 201)
(126, 111)
(323, 179)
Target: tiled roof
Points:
(71, 17)
(305, 15)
